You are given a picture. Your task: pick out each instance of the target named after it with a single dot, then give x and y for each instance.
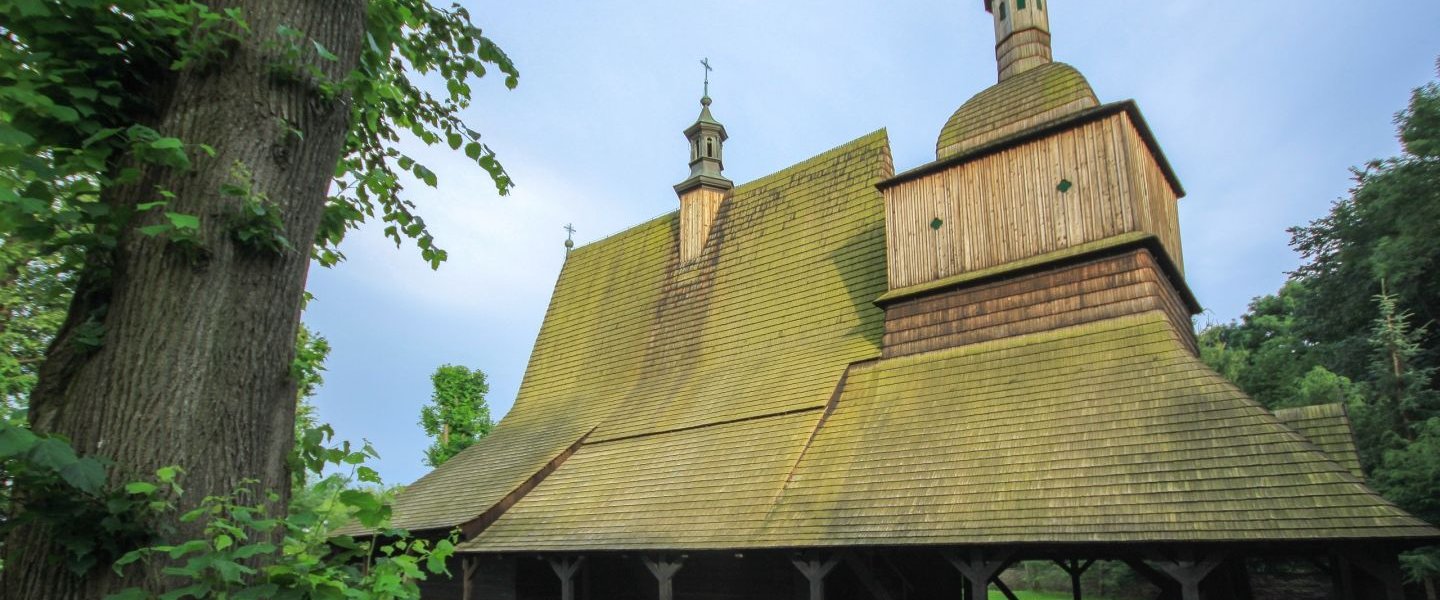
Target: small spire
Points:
(707, 146)
(569, 238)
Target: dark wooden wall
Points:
(1124, 284)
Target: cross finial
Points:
(705, 62)
(569, 237)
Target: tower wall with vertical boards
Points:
(1033, 176)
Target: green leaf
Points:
(86, 475)
(64, 114)
(223, 541)
(325, 54)
(167, 143)
(140, 488)
(15, 440)
(435, 562)
(183, 221)
(245, 552)
(167, 474)
(32, 8)
(10, 136)
(155, 230)
(53, 454)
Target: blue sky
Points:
(1260, 106)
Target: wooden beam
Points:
(1168, 588)
(664, 571)
(1075, 569)
(1190, 573)
(1004, 589)
(814, 569)
(867, 577)
(979, 568)
(565, 569)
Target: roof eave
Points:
(1040, 131)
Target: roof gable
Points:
(635, 343)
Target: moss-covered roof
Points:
(1042, 94)
(1105, 433)
(1328, 427)
(635, 343)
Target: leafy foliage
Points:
(35, 289)
(95, 523)
(76, 79)
(405, 35)
(246, 551)
(457, 415)
(1352, 325)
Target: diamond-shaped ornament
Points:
(936, 224)
(1064, 186)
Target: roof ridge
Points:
(749, 185)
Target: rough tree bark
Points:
(195, 366)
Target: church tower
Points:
(1022, 35)
(1034, 182)
(706, 188)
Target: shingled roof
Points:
(636, 344)
(1328, 427)
(1104, 433)
(1045, 93)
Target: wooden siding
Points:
(1124, 284)
(697, 216)
(1006, 206)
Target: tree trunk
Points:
(1430, 589)
(194, 369)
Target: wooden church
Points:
(842, 382)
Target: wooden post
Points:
(468, 565)
(664, 571)
(1342, 587)
(1168, 588)
(565, 569)
(1075, 568)
(1240, 586)
(815, 571)
(979, 569)
(1190, 573)
(1384, 567)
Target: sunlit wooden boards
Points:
(1092, 181)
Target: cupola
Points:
(702, 193)
(1022, 35)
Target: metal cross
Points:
(706, 63)
(570, 231)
